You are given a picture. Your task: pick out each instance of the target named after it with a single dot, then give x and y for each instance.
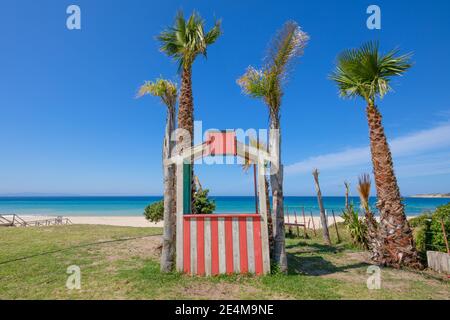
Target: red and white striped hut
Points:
(214, 244)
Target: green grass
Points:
(122, 263)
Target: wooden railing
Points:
(14, 220)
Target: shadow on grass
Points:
(307, 247)
(317, 265)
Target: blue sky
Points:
(69, 123)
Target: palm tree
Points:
(167, 91)
(367, 74)
(323, 216)
(267, 84)
(246, 166)
(364, 193)
(184, 42)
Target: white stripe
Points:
(194, 246)
(222, 261)
(208, 246)
(236, 255)
(250, 246)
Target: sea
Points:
(134, 205)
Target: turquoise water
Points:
(134, 206)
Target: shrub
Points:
(155, 211)
(356, 226)
(428, 230)
(202, 204)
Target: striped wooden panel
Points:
(223, 244)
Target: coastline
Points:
(141, 222)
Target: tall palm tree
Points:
(184, 41)
(267, 84)
(367, 73)
(246, 166)
(364, 194)
(168, 92)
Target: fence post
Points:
(335, 225)
(445, 235)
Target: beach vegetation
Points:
(155, 212)
(183, 42)
(202, 203)
(428, 231)
(356, 226)
(367, 73)
(267, 84)
(167, 91)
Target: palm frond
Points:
(364, 190)
(366, 73)
(162, 88)
(186, 38)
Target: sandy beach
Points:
(140, 222)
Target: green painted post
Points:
(187, 187)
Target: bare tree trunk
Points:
(347, 187)
(276, 182)
(168, 248)
(323, 217)
(397, 243)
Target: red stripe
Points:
(257, 243)
(214, 246)
(229, 245)
(201, 246)
(243, 244)
(187, 245)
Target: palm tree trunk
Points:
(372, 236)
(276, 183)
(168, 248)
(269, 220)
(396, 239)
(186, 116)
(323, 217)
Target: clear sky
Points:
(69, 123)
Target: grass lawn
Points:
(122, 263)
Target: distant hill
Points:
(432, 195)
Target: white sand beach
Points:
(139, 222)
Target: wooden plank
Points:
(214, 246)
(186, 253)
(236, 246)
(193, 246)
(243, 245)
(262, 220)
(229, 245)
(208, 247)
(201, 246)
(257, 243)
(179, 221)
(250, 245)
(187, 188)
(222, 256)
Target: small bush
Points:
(428, 233)
(202, 204)
(356, 226)
(155, 211)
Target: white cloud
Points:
(412, 144)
